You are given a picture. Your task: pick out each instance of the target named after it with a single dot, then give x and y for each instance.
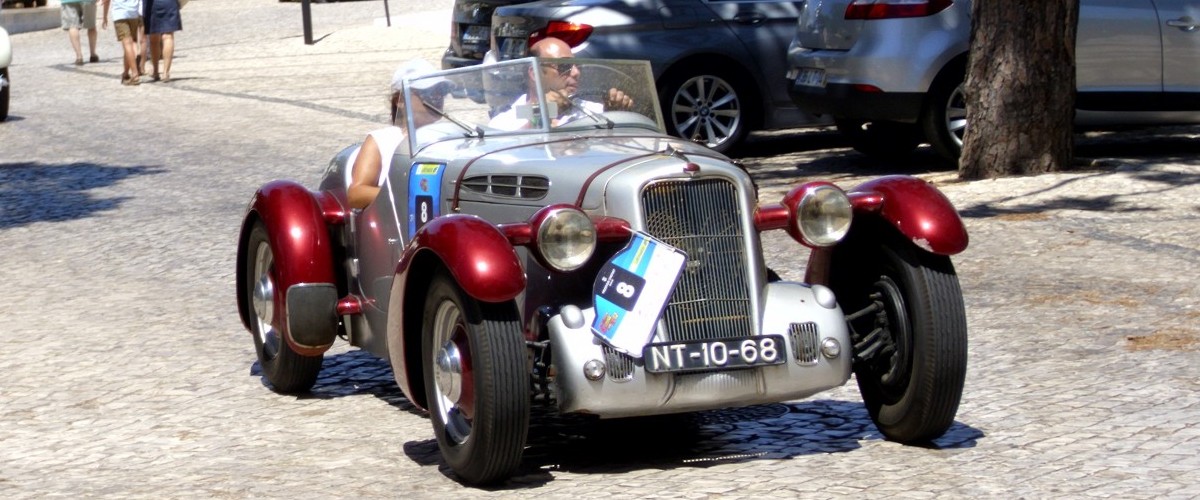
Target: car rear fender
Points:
(481, 260)
(296, 223)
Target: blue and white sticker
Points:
(424, 194)
(631, 291)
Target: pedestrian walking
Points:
(127, 19)
(76, 15)
(161, 18)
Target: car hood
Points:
(567, 169)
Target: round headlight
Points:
(823, 216)
(566, 239)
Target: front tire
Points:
(709, 107)
(476, 382)
(909, 328)
(286, 370)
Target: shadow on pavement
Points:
(583, 444)
(33, 192)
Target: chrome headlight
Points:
(566, 237)
(821, 214)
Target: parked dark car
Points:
(718, 65)
(890, 72)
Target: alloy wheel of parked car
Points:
(708, 108)
(288, 371)
(880, 139)
(945, 118)
(908, 324)
(476, 383)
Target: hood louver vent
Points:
(527, 187)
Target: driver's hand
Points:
(560, 100)
(617, 101)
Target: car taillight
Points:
(892, 9)
(572, 33)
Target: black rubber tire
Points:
(690, 117)
(944, 119)
(881, 139)
(4, 93)
(912, 392)
(286, 370)
(482, 435)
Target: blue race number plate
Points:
(691, 356)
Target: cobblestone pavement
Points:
(126, 373)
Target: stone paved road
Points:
(126, 373)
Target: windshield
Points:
(530, 95)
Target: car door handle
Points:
(1185, 23)
(749, 18)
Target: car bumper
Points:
(637, 392)
(851, 102)
(451, 61)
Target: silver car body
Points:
(507, 176)
(1137, 61)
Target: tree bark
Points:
(1020, 88)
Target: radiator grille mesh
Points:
(704, 219)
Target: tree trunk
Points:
(1020, 88)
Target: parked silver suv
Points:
(890, 72)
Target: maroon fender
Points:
(295, 224)
(917, 209)
(479, 257)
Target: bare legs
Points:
(162, 46)
(73, 34)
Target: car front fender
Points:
(481, 260)
(303, 255)
(915, 208)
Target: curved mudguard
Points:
(482, 261)
(914, 207)
(306, 290)
(5, 49)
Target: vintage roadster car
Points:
(586, 261)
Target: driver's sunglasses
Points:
(561, 68)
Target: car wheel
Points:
(286, 370)
(944, 119)
(476, 382)
(707, 107)
(908, 324)
(4, 94)
(880, 139)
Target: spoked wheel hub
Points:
(452, 374)
(263, 300)
(886, 347)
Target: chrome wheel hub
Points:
(447, 368)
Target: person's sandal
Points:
(95, 58)
(79, 62)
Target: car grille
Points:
(703, 218)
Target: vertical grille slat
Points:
(703, 218)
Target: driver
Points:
(381, 145)
(559, 81)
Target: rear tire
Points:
(880, 139)
(476, 382)
(710, 106)
(286, 370)
(944, 119)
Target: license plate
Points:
(475, 34)
(745, 352)
(810, 77)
